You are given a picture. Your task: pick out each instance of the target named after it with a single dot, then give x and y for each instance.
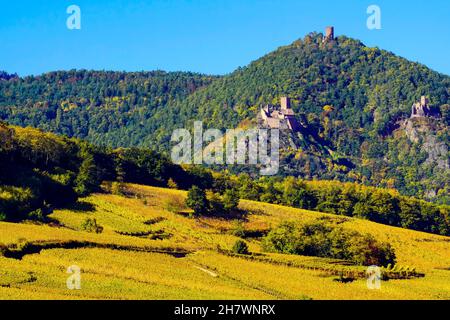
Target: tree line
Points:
(386, 206)
(41, 171)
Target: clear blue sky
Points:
(208, 36)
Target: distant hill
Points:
(364, 137)
(107, 108)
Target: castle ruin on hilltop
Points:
(279, 117)
(421, 109)
(329, 34)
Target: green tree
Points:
(91, 225)
(230, 200)
(240, 247)
(89, 177)
(197, 201)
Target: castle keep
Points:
(279, 117)
(421, 109)
(329, 34)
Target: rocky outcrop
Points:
(437, 152)
(424, 131)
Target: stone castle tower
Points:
(329, 34)
(280, 117)
(421, 109)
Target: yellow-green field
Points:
(147, 251)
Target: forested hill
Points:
(357, 138)
(106, 108)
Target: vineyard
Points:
(147, 246)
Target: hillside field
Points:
(151, 249)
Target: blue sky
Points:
(208, 36)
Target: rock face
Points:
(437, 152)
(424, 130)
(422, 127)
(429, 150)
(411, 131)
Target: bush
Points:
(172, 184)
(37, 215)
(3, 249)
(197, 201)
(215, 204)
(90, 225)
(117, 188)
(322, 240)
(223, 204)
(238, 229)
(16, 202)
(366, 250)
(240, 247)
(230, 200)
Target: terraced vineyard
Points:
(151, 249)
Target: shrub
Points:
(366, 250)
(3, 249)
(240, 247)
(37, 215)
(223, 204)
(117, 188)
(215, 204)
(322, 240)
(238, 229)
(172, 184)
(90, 225)
(16, 202)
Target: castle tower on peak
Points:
(329, 33)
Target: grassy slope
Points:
(140, 271)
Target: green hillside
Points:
(369, 89)
(107, 108)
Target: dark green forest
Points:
(106, 108)
(41, 171)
